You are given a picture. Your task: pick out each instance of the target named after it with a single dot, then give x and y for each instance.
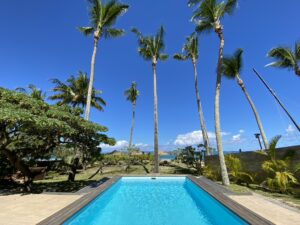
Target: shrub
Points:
(280, 176)
(236, 172)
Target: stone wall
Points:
(252, 161)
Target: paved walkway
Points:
(273, 210)
(31, 209)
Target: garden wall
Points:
(252, 161)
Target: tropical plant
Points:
(33, 91)
(208, 15)
(131, 95)
(151, 49)
(232, 67)
(286, 57)
(31, 129)
(280, 177)
(236, 172)
(103, 16)
(74, 92)
(190, 51)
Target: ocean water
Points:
(163, 201)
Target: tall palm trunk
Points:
(200, 112)
(132, 124)
(91, 84)
(156, 160)
(259, 123)
(224, 173)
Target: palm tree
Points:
(33, 91)
(151, 49)
(103, 17)
(232, 67)
(131, 95)
(208, 15)
(286, 58)
(74, 92)
(190, 52)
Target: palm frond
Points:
(232, 65)
(192, 3)
(113, 33)
(283, 56)
(180, 57)
(204, 27)
(163, 57)
(230, 5)
(297, 50)
(151, 47)
(272, 146)
(86, 30)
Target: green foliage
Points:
(280, 178)
(132, 93)
(33, 91)
(190, 49)
(208, 13)
(103, 16)
(286, 57)
(236, 172)
(74, 92)
(151, 47)
(211, 173)
(32, 129)
(232, 65)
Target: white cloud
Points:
(290, 129)
(194, 137)
(241, 131)
(119, 144)
(236, 138)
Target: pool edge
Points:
(67, 212)
(246, 214)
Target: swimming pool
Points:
(159, 201)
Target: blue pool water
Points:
(163, 201)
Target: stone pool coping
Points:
(249, 216)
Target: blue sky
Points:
(39, 41)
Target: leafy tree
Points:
(286, 58)
(190, 51)
(236, 170)
(208, 15)
(32, 129)
(232, 67)
(280, 177)
(74, 92)
(33, 91)
(131, 95)
(103, 16)
(190, 157)
(151, 49)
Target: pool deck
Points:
(33, 208)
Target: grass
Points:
(56, 182)
(290, 199)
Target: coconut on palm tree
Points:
(151, 49)
(232, 67)
(33, 91)
(74, 92)
(103, 16)
(286, 57)
(131, 95)
(190, 52)
(208, 15)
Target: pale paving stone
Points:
(273, 210)
(31, 209)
